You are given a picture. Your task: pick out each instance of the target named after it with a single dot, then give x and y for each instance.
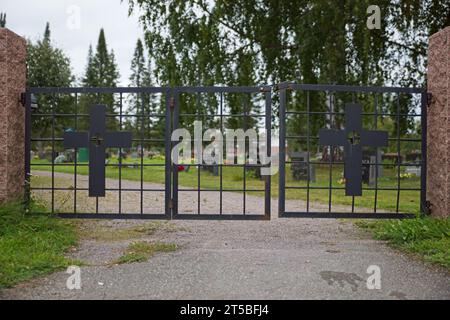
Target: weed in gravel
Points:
(142, 251)
(97, 232)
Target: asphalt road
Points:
(280, 259)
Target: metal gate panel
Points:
(351, 140)
(100, 138)
(222, 214)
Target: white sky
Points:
(28, 18)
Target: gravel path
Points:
(233, 202)
(278, 259)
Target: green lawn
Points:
(32, 245)
(233, 179)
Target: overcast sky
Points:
(28, 18)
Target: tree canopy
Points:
(101, 71)
(310, 41)
(48, 66)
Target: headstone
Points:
(414, 171)
(134, 155)
(122, 155)
(70, 155)
(369, 170)
(60, 159)
(299, 167)
(215, 170)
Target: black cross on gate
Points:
(97, 140)
(353, 138)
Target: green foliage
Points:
(48, 66)
(399, 232)
(31, 245)
(320, 41)
(101, 71)
(2, 20)
(143, 103)
(427, 237)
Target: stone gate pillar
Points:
(438, 176)
(12, 115)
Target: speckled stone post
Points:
(438, 176)
(12, 115)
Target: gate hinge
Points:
(23, 99)
(427, 208)
(172, 103)
(429, 99)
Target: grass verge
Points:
(32, 245)
(426, 237)
(142, 251)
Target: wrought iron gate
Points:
(131, 122)
(322, 131)
(329, 151)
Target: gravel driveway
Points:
(278, 259)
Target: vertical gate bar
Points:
(76, 159)
(199, 165)
(53, 154)
(244, 184)
(398, 153)
(308, 146)
(376, 155)
(353, 197)
(27, 149)
(268, 112)
(221, 160)
(423, 168)
(172, 96)
(330, 161)
(245, 159)
(142, 150)
(120, 151)
(96, 198)
(282, 151)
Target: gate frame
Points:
(171, 115)
(282, 213)
(97, 90)
(267, 91)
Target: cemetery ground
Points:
(233, 179)
(278, 259)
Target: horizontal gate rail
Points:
(345, 88)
